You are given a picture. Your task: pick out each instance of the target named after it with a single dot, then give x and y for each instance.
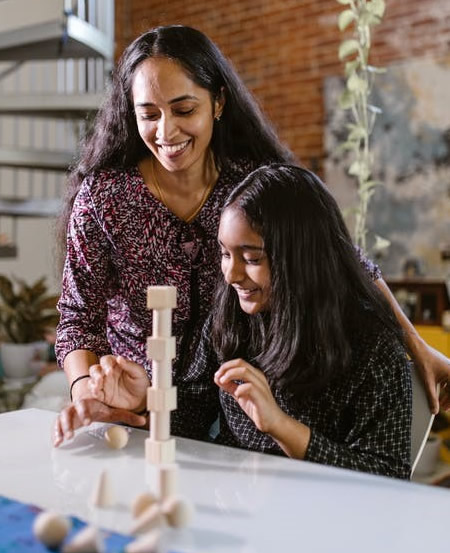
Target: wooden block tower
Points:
(161, 395)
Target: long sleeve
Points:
(378, 437)
(86, 281)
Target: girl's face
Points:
(175, 117)
(245, 265)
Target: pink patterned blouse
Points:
(122, 239)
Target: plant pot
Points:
(19, 360)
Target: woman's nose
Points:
(166, 129)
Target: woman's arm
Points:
(433, 365)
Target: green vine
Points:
(363, 15)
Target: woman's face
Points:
(245, 265)
(175, 117)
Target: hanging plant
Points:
(362, 15)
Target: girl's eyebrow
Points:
(246, 247)
(173, 101)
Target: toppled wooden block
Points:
(88, 540)
(179, 511)
(141, 502)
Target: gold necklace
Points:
(203, 199)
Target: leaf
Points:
(381, 243)
(346, 99)
(377, 7)
(356, 84)
(367, 19)
(357, 133)
(348, 47)
(345, 18)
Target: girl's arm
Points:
(433, 365)
(379, 438)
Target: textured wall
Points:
(284, 48)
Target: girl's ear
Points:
(219, 104)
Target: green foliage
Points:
(363, 15)
(26, 311)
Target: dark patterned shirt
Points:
(361, 422)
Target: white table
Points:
(245, 502)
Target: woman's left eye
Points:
(253, 261)
(184, 112)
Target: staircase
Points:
(55, 58)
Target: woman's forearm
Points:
(76, 364)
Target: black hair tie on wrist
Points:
(75, 381)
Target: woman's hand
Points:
(251, 390)
(84, 411)
(119, 383)
(435, 369)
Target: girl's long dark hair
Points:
(321, 297)
(114, 142)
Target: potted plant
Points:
(27, 313)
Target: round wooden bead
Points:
(51, 528)
(116, 437)
(178, 511)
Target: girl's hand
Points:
(119, 383)
(251, 390)
(84, 411)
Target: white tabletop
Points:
(245, 502)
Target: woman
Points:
(177, 132)
(305, 350)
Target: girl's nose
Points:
(233, 272)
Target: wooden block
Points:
(146, 543)
(103, 494)
(162, 400)
(167, 476)
(160, 426)
(179, 511)
(51, 528)
(160, 349)
(161, 297)
(141, 503)
(150, 519)
(88, 540)
(158, 452)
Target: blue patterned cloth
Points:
(16, 530)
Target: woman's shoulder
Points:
(110, 179)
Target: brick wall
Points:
(284, 48)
